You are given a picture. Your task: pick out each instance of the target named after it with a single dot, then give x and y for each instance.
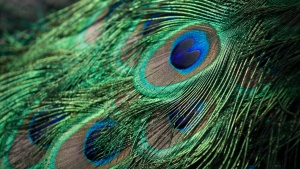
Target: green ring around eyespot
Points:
(144, 87)
(64, 136)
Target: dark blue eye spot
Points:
(41, 125)
(189, 51)
(180, 58)
(97, 153)
(182, 118)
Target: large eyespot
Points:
(172, 133)
(187, 54)
(88, 142)
(27, 147)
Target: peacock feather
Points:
(151, 84)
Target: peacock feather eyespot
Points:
(185, 55)
(89, 142)
(173, 130)
(95, 152)
(27, 147)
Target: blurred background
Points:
(18, 15)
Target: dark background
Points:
(18, 15)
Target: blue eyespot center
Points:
(95, 146)
(41, 125)
(185, 118)
(189, 50)
(181, 58)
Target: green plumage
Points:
(99, 87)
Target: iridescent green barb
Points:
(140, 84)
